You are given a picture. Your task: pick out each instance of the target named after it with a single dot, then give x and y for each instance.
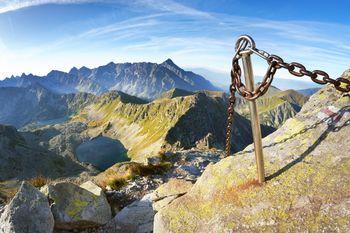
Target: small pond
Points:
(102, 152)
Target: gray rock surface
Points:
(28, 212)
(78, 207)
(193, 159)
(137, 217)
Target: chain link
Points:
(275, 62)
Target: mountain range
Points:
(145, 80)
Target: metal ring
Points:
(244, 39)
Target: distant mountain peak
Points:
(74, 71)
(83, 68)
(110, 64)
(169, 62)
(55, 72)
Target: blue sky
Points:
(40, 35)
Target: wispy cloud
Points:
(13, 5)
(164, 5)
(191, 37)
(170, 6)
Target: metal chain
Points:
(230, 113)
(275, 62)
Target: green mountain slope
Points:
(166, 123)
(275, 107)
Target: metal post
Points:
(249, 82)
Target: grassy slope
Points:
(275, 107)
(141, 127)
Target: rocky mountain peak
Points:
(169, 62)
(74, 71)
(55, 73)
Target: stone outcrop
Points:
(77, 207)
(138, 216)
(27, 212)
(187, 165)
(307, 164)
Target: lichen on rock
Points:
(77, 207)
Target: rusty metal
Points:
(246, 43)
(254, 116)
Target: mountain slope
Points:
(22, 157)
(309, 91)
(23, 105)
(307, 165)
(145, 80)
(275, 107)
(166, 123)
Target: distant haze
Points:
(223, 80)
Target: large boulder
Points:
(78, 207)
(307, 163)
(28, 212)
(137, 217)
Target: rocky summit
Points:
(307, 165)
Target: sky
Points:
(37, 36)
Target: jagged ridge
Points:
(143, 79)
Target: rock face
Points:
(307, 164)
(28, 212)
(145, 80)
(77, 207)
